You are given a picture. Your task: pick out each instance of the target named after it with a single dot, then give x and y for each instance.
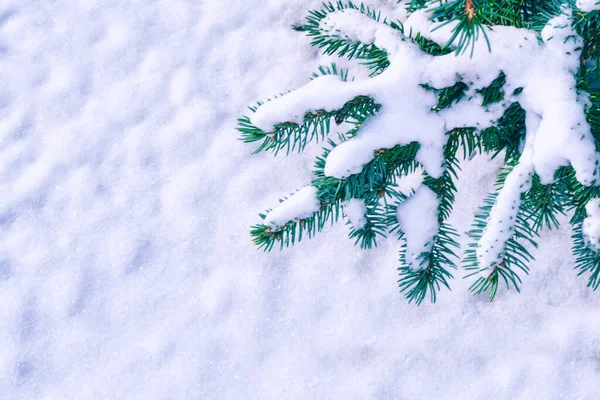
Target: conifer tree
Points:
(516, 79)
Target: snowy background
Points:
(126, 267)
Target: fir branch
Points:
(445, 189)
(375, 180)
(579, 194)
(450, 95)
(414, 5)
(417, 284)
(506, 135)
(515, 255)
(429, 46)
(331, 70)
(374, 226)
(593, 115)
(586, 259)
(290, 136)
(543, 203)
(461, 138)
(380, 172)
(435, 264)
(494, 92)
(471, 21)
(265, 236)
(587, 26)
(376, 184)
(374, 58)
(447, 96)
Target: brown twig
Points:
(470, 9)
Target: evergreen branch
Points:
(514, 254)
(373, 227)
(543, 203)
(376, 59)
(587, 26)
(290, 136)
(493, 93)
(506, 135)
(461, 138)
(586, 259)
(435, 264)
(414, 5)
(451, 95)
(369, 183)
(579, 194)
(445, 189)
(376, 181)
(265, 236)
(472, 17)
(593, 116)
(417, 284)
(447, 96)
(538, 207)
(331, 70)
(530, 14)
(471, 21)
(429, 46)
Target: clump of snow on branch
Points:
(591, 225)
(354, 27)
(502, 220)
(356, 210)
(588, 5)
(542, 65)
(301, 204)
(418, 218)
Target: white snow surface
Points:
(126, 267)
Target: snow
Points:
(591, 224)
(588, 5)
(356, 210)
(126, 267)
(418, 217)
(301, 204)
(328, 90)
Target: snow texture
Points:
(588, 5)
(557, 132)
(300, 205)
(126, 267)
(355, 210)
(418, 217)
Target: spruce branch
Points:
(292, 232)
(587, 261)
(290, 136)
(434, 273)
(374, 58)
(513, 256)
(374, 226)
(470, 22)
(398, 127)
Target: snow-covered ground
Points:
(126, 267)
